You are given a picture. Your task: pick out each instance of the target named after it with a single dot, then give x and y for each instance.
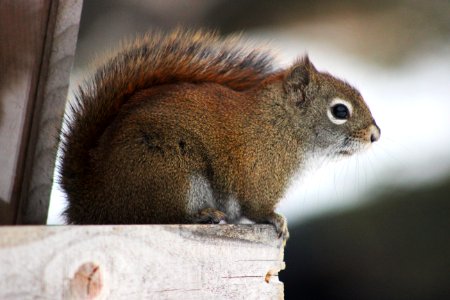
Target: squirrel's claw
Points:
(280, 223)
(209, 216)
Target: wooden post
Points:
(140, 262)
(37, 45)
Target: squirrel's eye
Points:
(340, 111)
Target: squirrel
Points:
(189, 127)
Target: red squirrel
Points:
(189, 127)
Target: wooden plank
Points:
(140, 262)
(36, 53)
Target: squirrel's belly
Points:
(201, 195)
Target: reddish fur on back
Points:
(152, 60)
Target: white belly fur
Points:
(201, 195)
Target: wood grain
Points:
(140, 262)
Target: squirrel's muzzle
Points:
(375, 133)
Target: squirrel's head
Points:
(334, 113)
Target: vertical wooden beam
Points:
(22, 34)
(37, 45)
(48, 113)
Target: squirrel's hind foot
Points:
(209, 216)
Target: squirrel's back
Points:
(152, 60)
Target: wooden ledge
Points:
(140, 262)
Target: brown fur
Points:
(189, 103)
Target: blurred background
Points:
(374, 226)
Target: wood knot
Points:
(268, 276)
(87, 282)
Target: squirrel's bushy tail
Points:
(154, 59)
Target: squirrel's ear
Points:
(300, 75)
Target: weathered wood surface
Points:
(37, 45)
(140, 262)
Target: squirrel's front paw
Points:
(209, 216)
(280, 223)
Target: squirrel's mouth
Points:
(345, 152)
(352, 146)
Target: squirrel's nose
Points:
(374, 133)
